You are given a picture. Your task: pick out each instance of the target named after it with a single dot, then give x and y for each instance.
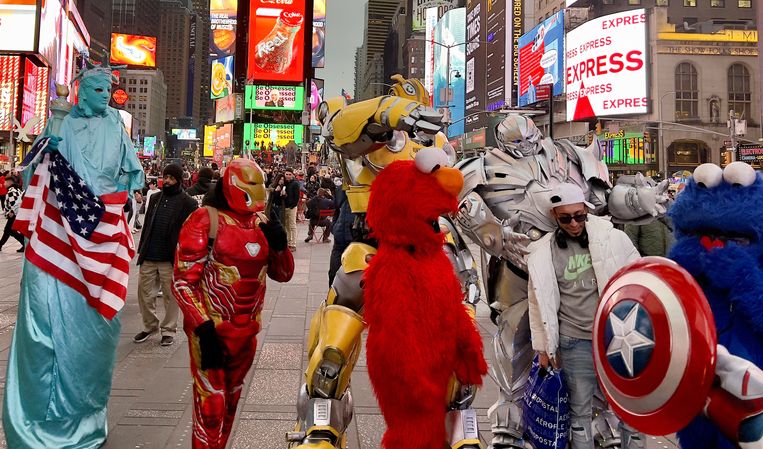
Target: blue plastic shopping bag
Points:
(546, 408)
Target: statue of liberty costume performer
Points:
(63, 351)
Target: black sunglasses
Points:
(567, 219)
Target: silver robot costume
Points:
(504, 206)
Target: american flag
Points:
(78, 238)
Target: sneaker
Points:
(309, 237)
(167, 340)
(142, 336)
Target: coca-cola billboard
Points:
(276, 30)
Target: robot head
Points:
(411, 89)
(518, 136)
(244, 186)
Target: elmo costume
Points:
(419, 332)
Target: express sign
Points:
(606, 67)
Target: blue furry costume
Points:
(719, 240)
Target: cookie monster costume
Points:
(718, 222)
(419, 332)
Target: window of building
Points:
(687, 92)
(690, 3)
(740, 94)
(717, 3)
(608, 2)
(662, 2)
(634, 2)
(745, 3)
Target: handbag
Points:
(546, 408)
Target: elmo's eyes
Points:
(739, 174)
(428, 160)
(708, 175)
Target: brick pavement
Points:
(150, 404)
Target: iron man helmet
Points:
(244, 186)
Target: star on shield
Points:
(626, 338)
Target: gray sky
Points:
(344, 34)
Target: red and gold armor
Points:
(219, 284)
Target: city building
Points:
(147, 99)
(135, 17)
(97, 15)
(176, 57)
(202, 66)
(369, 67)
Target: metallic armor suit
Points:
(222, 280)
(370, 135)
(504, 206)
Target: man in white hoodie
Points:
(568, 269)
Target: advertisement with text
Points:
(222, 77)
(541, 58)
(606, 67)
(319, 34)
(276, 30)
(275, 136)
(285, 98)
(222, 21)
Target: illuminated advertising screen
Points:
(495, 72)
(419, 8)
(541, 58)
(222, 20)
(449, 91)
(276, 30)
(133, 50)
(319, 34)
(34, 103)
(290, 98)
(316, 97)
(9, 90)
(51, 18)
(222, 77)
(474, 73)
(225, 109)
(223, 136)
(259, 136)
(431, 24)
(184, 133)
(209, 140)
(17, 25)
(606, 66)
(149, 145)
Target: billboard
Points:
(259, 136)
(133, 50)
(209, 140)
(606, 66)
(10, 68)
(516, 28)
(276, 30)
(225, 109)
(51, 18)
(319, 34)
(418, 10)
(316, 97)
(431, 24)
(449, 90)
(184, 133)
(222, 21)
(221, 82)
(149, 145)
(541, 58)
(34, 102)
(476, 16)
(17, 25)
(495, 62)
(291, 98)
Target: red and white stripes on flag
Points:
(97, 267)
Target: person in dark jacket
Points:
(651, 239)
(202, 186)
(165, 215)
(290, 202)
(10, 209)
(342, 230)
(315, 206)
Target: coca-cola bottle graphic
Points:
(275, 51)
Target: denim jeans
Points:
(580, 378)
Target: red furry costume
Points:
(419, 333)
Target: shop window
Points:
(740, 94)
(687, 92)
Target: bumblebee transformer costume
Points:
(503, 207)
(223, 256)
(368, 136)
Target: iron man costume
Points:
(370, 135)
(221, 262)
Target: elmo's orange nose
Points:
(450, 179)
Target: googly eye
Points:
(739, 174)
(708, 175)
(428, 160)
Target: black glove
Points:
(275, 234)
(212, 352)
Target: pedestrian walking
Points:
(11, 209)
(290, 202)
(165, 215)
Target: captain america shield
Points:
(654, 345)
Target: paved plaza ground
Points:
(150, 406)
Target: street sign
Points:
(543, 92)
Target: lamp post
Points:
(663, 152)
